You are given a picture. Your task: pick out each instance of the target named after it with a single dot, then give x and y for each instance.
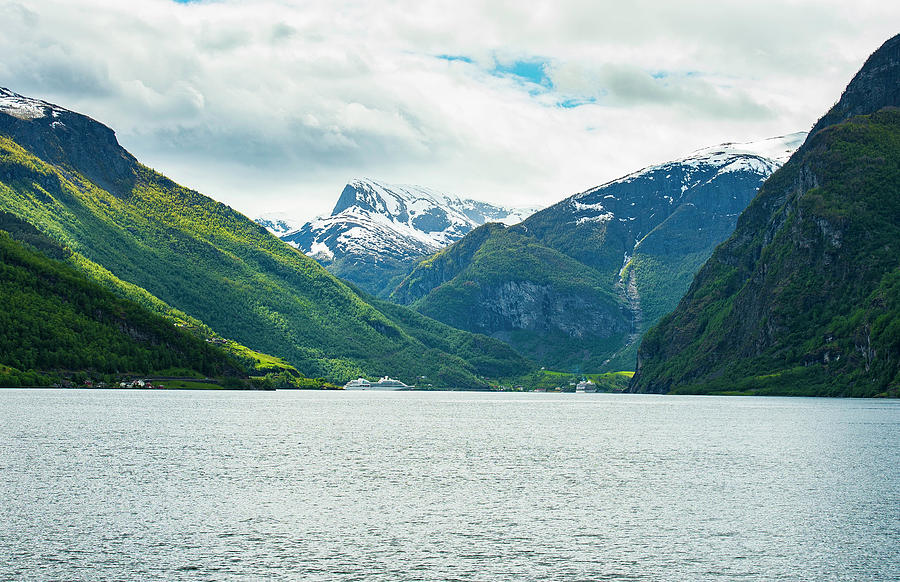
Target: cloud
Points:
(275, 104)
(623, 86)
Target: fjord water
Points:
(102, 485)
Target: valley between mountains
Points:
(768, 267)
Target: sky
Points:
(274, 105)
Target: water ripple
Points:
(144, 485)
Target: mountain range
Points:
(378, 231)
(203, 265)
(804, 297)
(575, 285)
(758, 268)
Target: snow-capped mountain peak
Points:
(716, 178)
(376, 229)
(26, 108)
(761, 157)
(774, 148)
(421, 210)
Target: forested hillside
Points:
(544, 303)
(53, 320)
(804, 298)
(169, 247)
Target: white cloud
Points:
(275, 104)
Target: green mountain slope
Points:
(543, 303)
(53, 319)
(166, 245)
(804, 298)
(575, 285)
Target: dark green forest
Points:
(804, 299)
(53, 322)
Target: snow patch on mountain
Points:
(278, 223)
(318, 249)
(597, 206)
(774, 148)
(763, 157)
(605, 217)
(750, 164)
(373, 221)
(26, 108)
(672, 182)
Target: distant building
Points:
(585, 386)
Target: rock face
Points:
(804, 297)
(377, 231)
(876, 85)
(67, 139)
(616, 258)
(522, 305)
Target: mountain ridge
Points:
(171, 247)
(803, 297)
(638, 238)
(378, 230)
(62, 141)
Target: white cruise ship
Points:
(389, 384)
(358, 384)
(385, 383)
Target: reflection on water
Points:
(446, 486)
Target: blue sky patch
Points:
(574, 102)
(526, 71)
(530, 71)
(450, 58)
(532, 76)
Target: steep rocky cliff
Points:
(68, 140)
(876, 85)
(804, 297)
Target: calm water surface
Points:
(126, 485)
